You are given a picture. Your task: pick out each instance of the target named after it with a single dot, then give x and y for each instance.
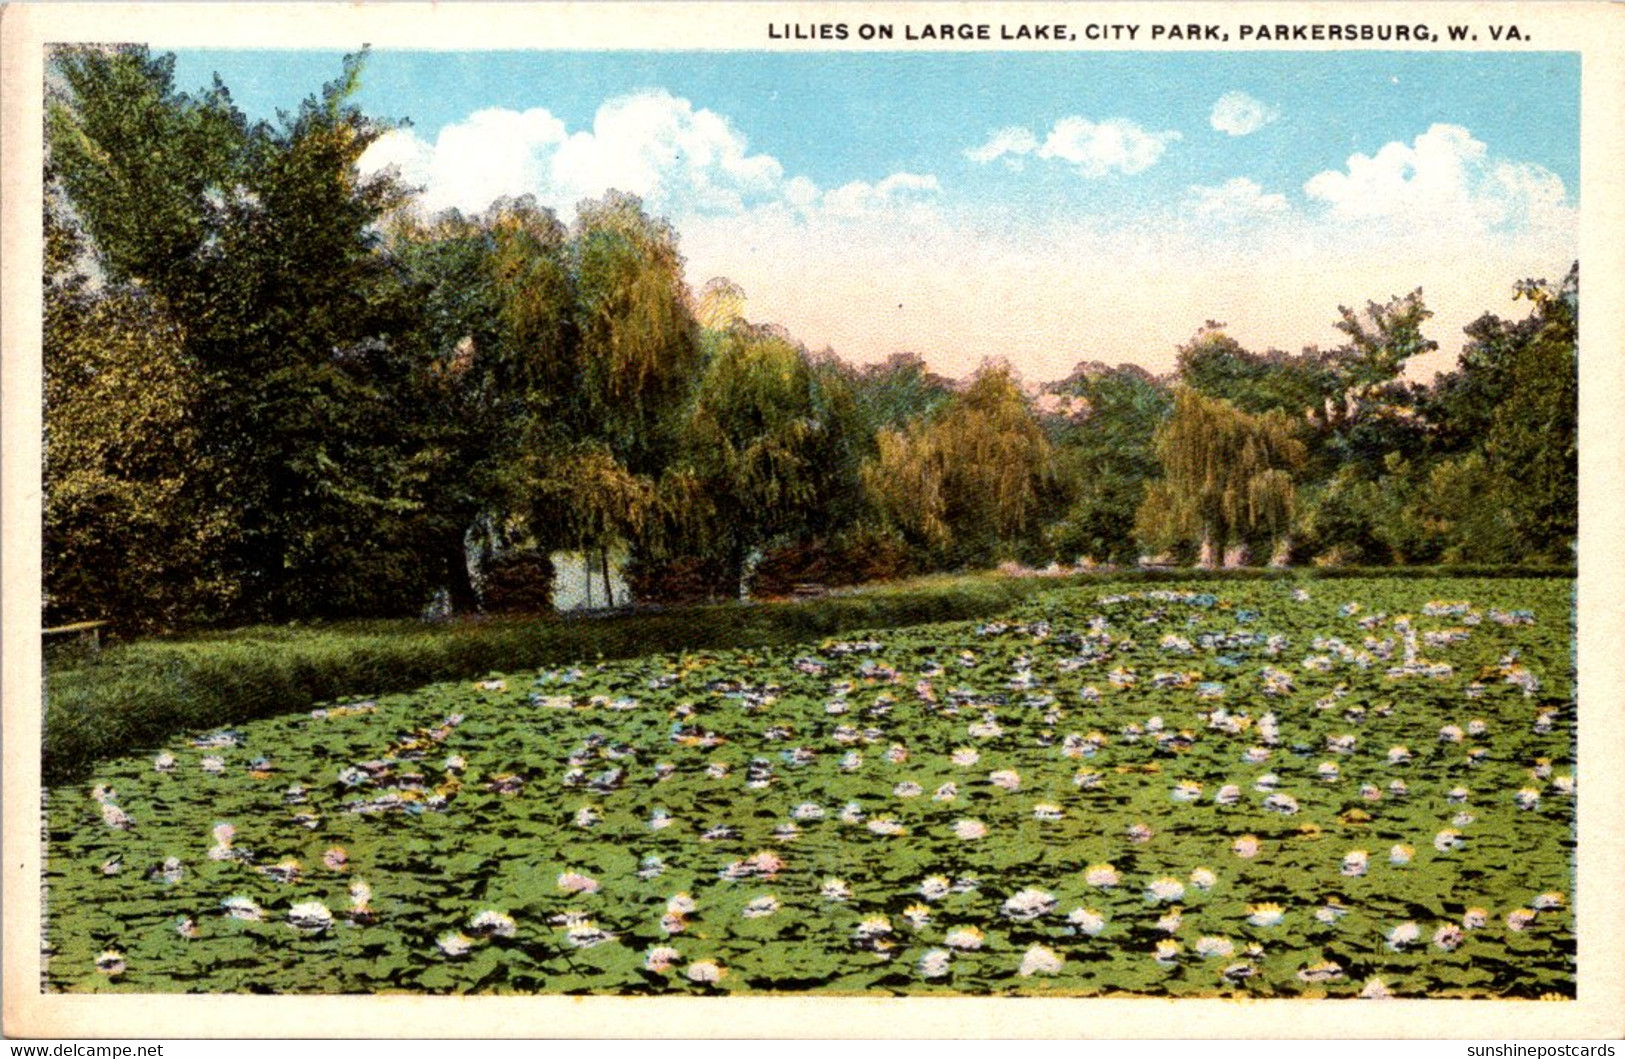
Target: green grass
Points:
(133, 695)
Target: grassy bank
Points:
(132, 695)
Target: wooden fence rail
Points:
(85, 631)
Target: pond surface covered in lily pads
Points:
(1346, 788)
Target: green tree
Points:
(966, 484)
(897, 391)
(146, 166)
(1461, 508)
(125, 539)
(260, 242)
(640, 349)
(1373, 413)
(1380, 342)
(1216, 364)
(769, 443)
(1532, 448)
(1227, 478)
(1106, 458)
(601, 470)
(494, 371)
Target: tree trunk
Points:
(277, 599)
(1205, 559)
(609, 592)
(738, 571)
(459, 585)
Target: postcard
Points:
(781, 519)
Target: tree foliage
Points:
(1299, 385)
(770, 443)
(1105, 458)
(127, 533)
(898, 391)
(1532, 447)
(494, 360)
(274, 389)
(260, 241)
(1226, 477)
(966, 483)
(640, 349)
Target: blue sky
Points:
(1206, 179)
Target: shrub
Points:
(679, 582)
(519, 581)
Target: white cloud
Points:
(489, 154)
(859, 199)
(1093, 148)
(1096, 149)
(652, 144)
(957, 287)
(662, 148)
(684, 161)
(1238, 199)
(1446, 181)
(881, 264)
(1239, 114)
(1012, 140)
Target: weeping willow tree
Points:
(1227, 479)
(967, 482)
(640, 351)
(587, 500)
(494, 368)
(610, 307)
(721, 305)
(770, 442)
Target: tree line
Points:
(276, 391)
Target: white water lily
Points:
(585, 934)
(1087, 920)
(705, 972)
(661, 959)
(311, 917)
(835, 890)
(1102, 875)
(935, 963)
(1165, 889)
(1265, 914)
(572, 882)
(1402, 935)
(491, 923)
(1040, 960)
(1029, 904)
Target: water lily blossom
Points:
(1039, 959)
